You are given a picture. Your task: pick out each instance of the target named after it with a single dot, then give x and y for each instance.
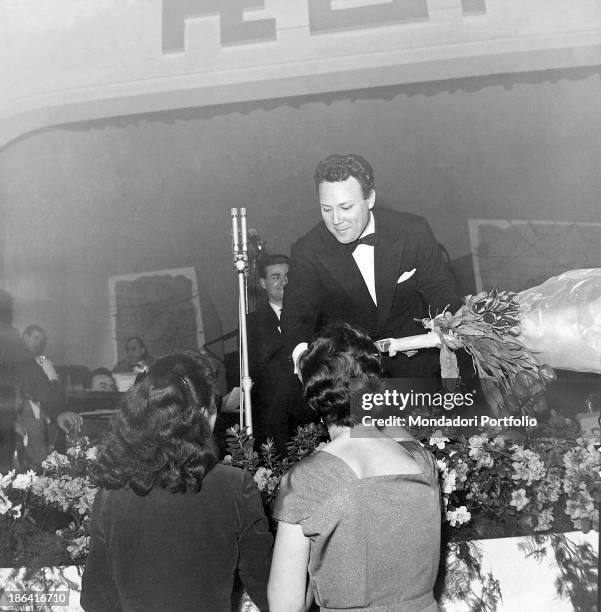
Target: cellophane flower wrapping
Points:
(560, 320)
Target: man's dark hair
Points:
(271, 260)
(31, 328)
(137, 339)
(100, 371)
(337, 168)
(341, 361)
(161, 437)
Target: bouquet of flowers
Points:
(515, 340)
(487, 326)
(33, 505)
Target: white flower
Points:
(24, 481)
(227, 460)
(449, 482)
(485, 460)
(5, 503)
(463, 515)
(74, 451)
(462, 469)
(16, 511)
(442, 465)
(79, 547)
(459, 516)
(6, 479)
(527, 465)
(476, 443)
(262, 478)
(92, 453)
(438, 439)
(519, 499)
(55, 460)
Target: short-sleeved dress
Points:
(375, 541)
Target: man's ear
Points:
(262, 283)
(372, 199)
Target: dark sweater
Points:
(172, 552)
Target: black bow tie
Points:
(370, 239)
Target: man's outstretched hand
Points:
(69, 422)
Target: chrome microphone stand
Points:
(240, 250)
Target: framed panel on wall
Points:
(517, 255)
(162, 307)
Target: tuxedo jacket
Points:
(49, 393)
(326, 285)
(19, 367)
(264, 338)
(278, 406)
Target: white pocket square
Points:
(405, 275)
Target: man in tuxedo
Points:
(44, 408)
(374, 268)
(278, 407)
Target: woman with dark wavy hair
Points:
(359, 520)
(171, 524)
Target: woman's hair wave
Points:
(341, 361)
(161, 435)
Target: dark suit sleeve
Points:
(264, 339)
(50, 393)
(53, 399)
(301, 299)
(434, 280)
(252, 336)
(255, 543)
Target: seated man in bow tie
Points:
(277, 402)
(374, 268)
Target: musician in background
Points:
(44, 406)
(102, 380)
(278, 406)
(137, 358)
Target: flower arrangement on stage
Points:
(44, 516)
(534, 485)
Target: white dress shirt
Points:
(278, 313)
(47, 366)
(277, 309)
(364, 258)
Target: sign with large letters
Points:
(144, 56)
(324, 17)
